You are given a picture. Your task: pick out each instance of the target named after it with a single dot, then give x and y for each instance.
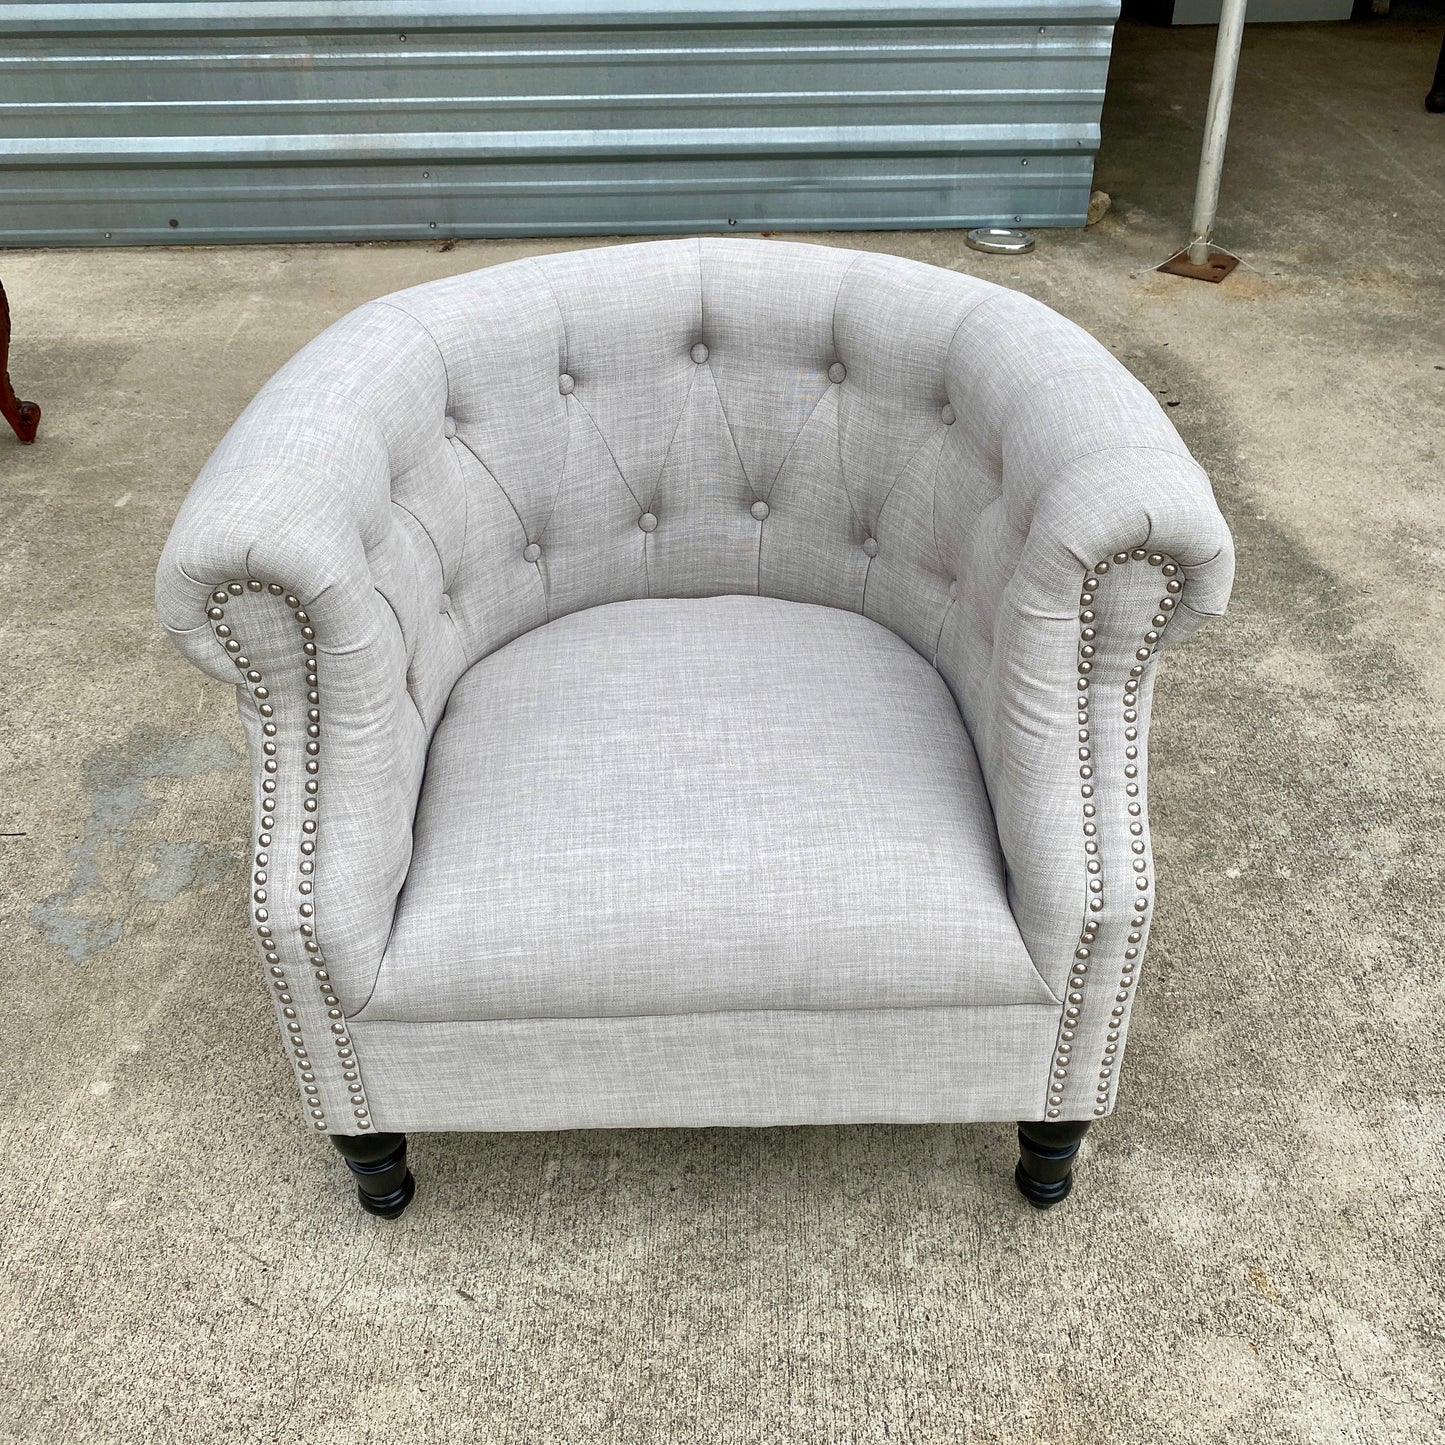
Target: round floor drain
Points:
(1000, 242)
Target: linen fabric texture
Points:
(696, 806)
(454, 467)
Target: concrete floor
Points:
(1254, 1252)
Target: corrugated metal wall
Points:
(302, 120)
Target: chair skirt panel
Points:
(825, 1066)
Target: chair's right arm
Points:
(291, 574)
(1105, 545)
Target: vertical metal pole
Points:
(1216, 129)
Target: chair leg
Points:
(1045, 1172)
(383, 1182)
(23, 416)
(1435, 100)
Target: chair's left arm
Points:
(289, 575)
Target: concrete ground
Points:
(1254, 1252)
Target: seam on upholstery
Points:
(717, 390)
(561, 315)
(538, 269)
(848, 495)
(496, 482)
(441, 562)
(1199, 612)
(427, 331)
(1137, 447)
(184, 631)
(672, 440)
(938, 553)
(842, 471)
(827, 389)
(642, 506)
(657, 481)
(562, 470)
(447, 379)
(567, 419)
(466, 492)
(728, 425)
(411, 697)
(701, 305)
(838, 296)
(968, 316)
(456, 637)
(898, 476)
(311, 392)
(792, 445)
(938, 640)
(391, 607)
(1051, 1003)
(933, 510)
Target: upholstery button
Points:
(870, 546)
(699, 353)
(647, 522)
(949, 415)
(449, 427)
(837, 372)
(759, 511)
(565, 384)
(531, 552)
(953, 588)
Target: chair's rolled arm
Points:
(1126, 552)
(1106, 545)
(291, 574)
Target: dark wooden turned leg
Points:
(1435, 101)
(1045, 1172)
(383, 1182)
(23, 416)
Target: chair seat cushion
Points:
(691, 806)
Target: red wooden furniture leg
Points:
(24, 416)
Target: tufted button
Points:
(565, 384)
(699, 353)
(647, 522)
(449, 427)
(837, 372)
(948, 415)
(531, 552)
(446, 603)
(759, 511)
(870, 546)
(953, 588)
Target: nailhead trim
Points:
(1083, 951)
(261, 902)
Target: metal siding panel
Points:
(115, 128)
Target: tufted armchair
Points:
(698, 683)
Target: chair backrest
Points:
(695, 417)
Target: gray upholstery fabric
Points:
(781, 1066)
(663, 807)
(451, 467)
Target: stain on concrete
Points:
(110, 870)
